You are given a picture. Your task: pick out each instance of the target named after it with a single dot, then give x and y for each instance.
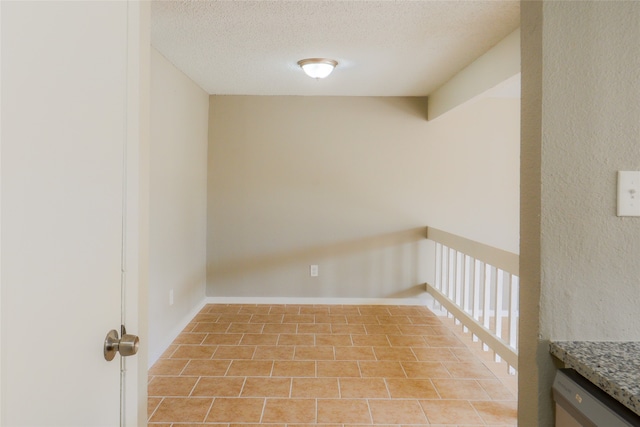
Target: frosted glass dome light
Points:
(317, 68)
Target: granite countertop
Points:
(612, 366)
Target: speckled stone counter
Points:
(612, 366)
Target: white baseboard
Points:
(175, 331)
(419, 300)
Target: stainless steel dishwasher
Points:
(579, 403)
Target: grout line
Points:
(208, 411)
(194, 387)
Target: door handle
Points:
(127, 345)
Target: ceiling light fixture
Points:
(317, 68)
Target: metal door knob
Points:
(127, 345)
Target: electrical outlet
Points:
(313, 270)
(171, 297)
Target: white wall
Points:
(178, 183)
(350, 184)
(579, 263)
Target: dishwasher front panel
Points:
(579, 403)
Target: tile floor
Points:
(333, 365)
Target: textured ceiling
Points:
(384, 48)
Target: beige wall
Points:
(579, 262)
(349, 184)
(178, 182)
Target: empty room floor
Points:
(334, 365)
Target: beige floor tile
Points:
(255, 309)
(276, 352)
(298, 318)
(305, 425)
(168, 367)
(344, 309)
(343, 411)
(333, 339)
(315, 388)
(211, 327)
(250, 368)
(259, 339)
(443, 341)
(460, 389)
(425, 320)
(236, 410)
(338, 369)
(245, 328)
(366, 388)
(194, 352)
(232, 352)
(314, 328)
(314, 353)
(152, 404)
(415, 330)
(186, 410)
(497, 412)
(331, 318)
(221, 308)
(348, 329)
(450, 412)
(376, 340)
(382, 329)
(425, 370)
(206, 317)
(218, 387)
(234, 318)
(407, 341)
(211, 368)
(290, 411)
(189, 327)
(401, 388)
(222, 339)
(394, 320)
(430, 366)
(470, 370)
(394, 353)
(190, 338)
(397, 411)
(362, 319)
(266, 318)
(295, 339)
(374, 310)
(284, 309)
(169, 351)
(244, 425)
(279, 328)
(310, 309)
(267, 387)
(511, 383)
(463, 354)
(496, 390)
(294, 369)
(354, 353)
(434, 355)
(381, 369)
(171, 386)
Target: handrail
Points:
(504, 260)
(478, 285)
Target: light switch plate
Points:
(628, 193)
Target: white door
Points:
(65, 128)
